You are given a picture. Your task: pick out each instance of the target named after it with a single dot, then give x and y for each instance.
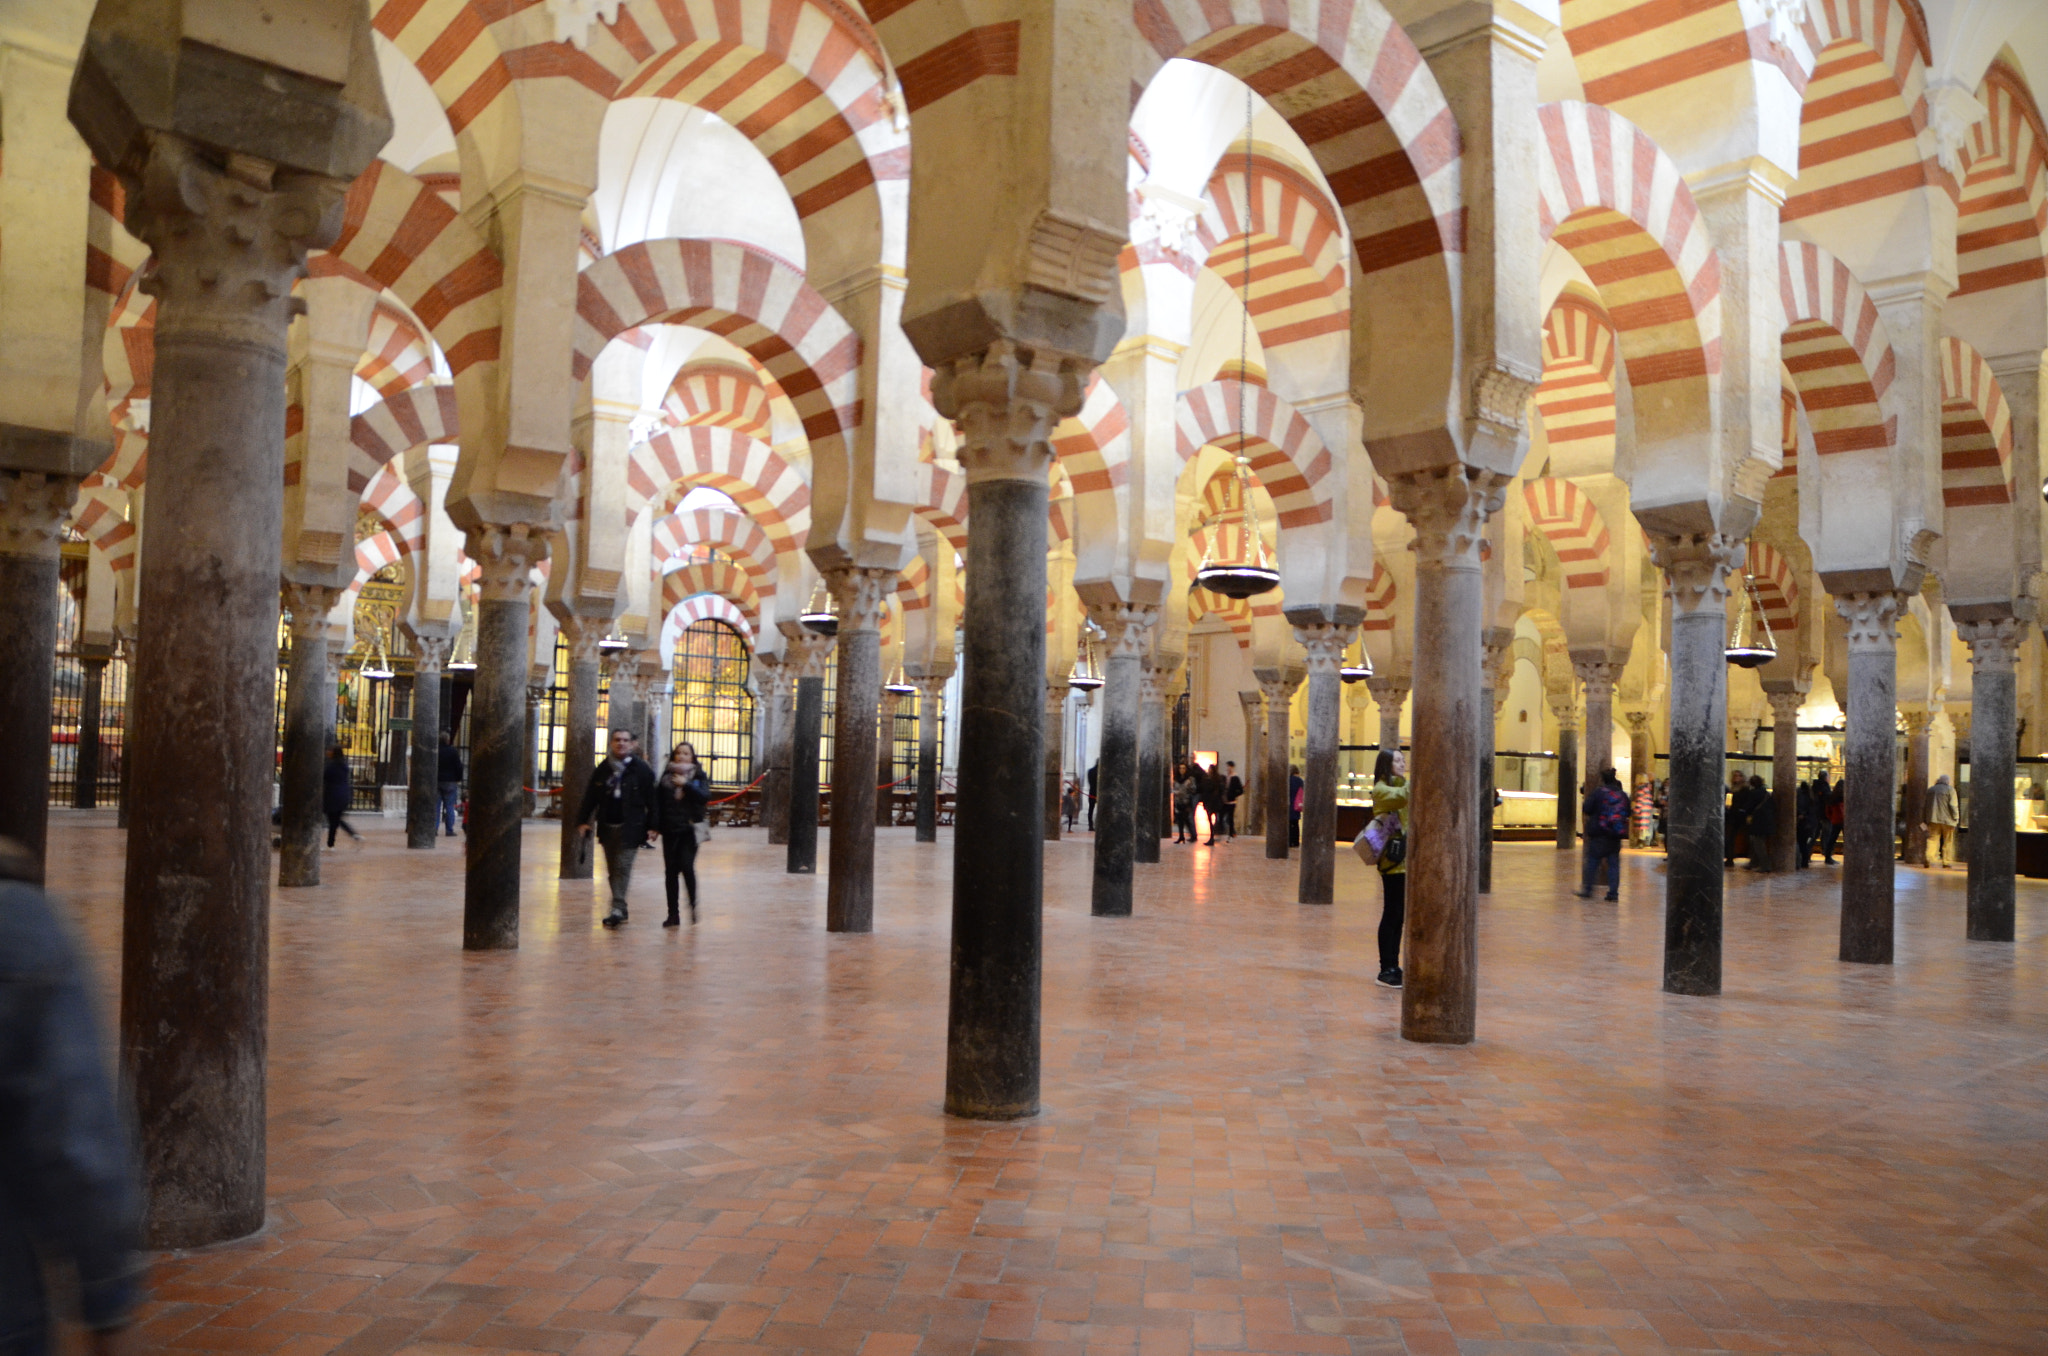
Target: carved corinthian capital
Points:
(1448, 509)
(1325, 643)
(1696, 567)
(1994, 644)
(506, 554)
(429, 653)
(32, 511)
(810, 652)
(309, 605)
(1127, 627)
(862, 594)
(1007, 402)
(1873, 620)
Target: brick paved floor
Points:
(728, 1138)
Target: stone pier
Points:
(1325, 643)
(1278, 692)
(308, 702)
(806, 727)
(863, 597)
(577, 855)
(423, 773)
(507, 555)
(1496, 655)
(1867, 835)
(1994, 658)
(931, 690)
(1127, 630)
(1147, 817)
(1785, 706)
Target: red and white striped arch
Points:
(914, 586)
(100, 515)
(1286, 455)
(2003, 216)
(1295, 238)
(129, 355)
(1355, 89)
(1788, 407)
(944, 504)
(391, 499)
(720, 577)
(1836, 349)
(720, 393)
(1645, 53)
(759, 303)
(1864, 110)
(1569, 521)
(698, 532)
(711, 607)
(410, 418)
(1576, 397)
(1380, 596)
(1615, 201)
(1777, 588)
(397, 354)
(396, 232)
(1976, 430)
(1092, 445)
(374, 553)
(768, 489)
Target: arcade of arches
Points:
(865, 394)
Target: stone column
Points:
(1494, 654)
(126, 648)
(308, 707)
(228, 245)
(1007, 403)
(1867, 767)
(1127, 628)
(422, 791)
(1696, 568)
(1278, 693)
(85, 794)
(1055, 709)
(1785, 776)
(863, 598)
(576, 860)
(885, 762)
(497, 732)
(1567, 713)
(930, 691)
(1994, 657)
(1919, 753)
(1390, 694)
(32, 511)
(1146, 816)
(1324, 642)
(536, 698)
(806, 727)
(1642, 755)
(1448, 509)
(777, 727)
(1597, 674)
(1254, 801)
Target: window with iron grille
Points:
(713, 711)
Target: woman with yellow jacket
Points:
(1390, 797)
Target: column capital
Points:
(862, 593)
(429, 653)
(1126, 627)
(1007, 401)
(621, 666)
(1391, 690)
(535, 695)
(1696, 567)
(1251, 701)
(1325, 643)
(1278, 691)
(580, 636)
(1785, 706)
(1448, 509)
(932, 688)
(1565, 708)
(33, 506)
(309, 605)
(1919, 719)
(1994, 643)
(506, 553)
(1873, 620)
(1638, 722)
(1598, 673)
(811, 652)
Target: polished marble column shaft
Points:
(1994, 657)
(1867, 827)
(309, 696)
(862, 596)
(32, 512)
(423, 774)
(1127, 629)
(577, 855)
(1324, 643)
(507, 555)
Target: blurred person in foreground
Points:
(69, 1199)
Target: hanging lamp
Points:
(1750, 643)
(819, 617)
(376, 667)
(1248, 573)
(898, 685)
(1087, 674)
(612, 643)
(1356, 670)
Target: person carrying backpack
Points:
(1605, 815)
(1390, 797)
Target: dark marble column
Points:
(1785, 776)
(85, 793)
(1597, 674)
(1495, 656)
(1278, 692)
(308, 702)
(1867, 756)
(806, 727)
(1325, 643)
(536, 698)
(576, 857)
(1127, 628)
(1147, 815)
(423, 790)
(1055, 710)
(126, 648)
(1448, 509)
(1696, 568)
(1994, 659)
(863, 596)
(1568, 778)
(1007, 407)
(195, 936)
(497, 732)
(885, 762)
(1919, 754)
(1254, 802)
(930, 691)
(32, 512)
(778, 726)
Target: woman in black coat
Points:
(681, 795)
(337, 789)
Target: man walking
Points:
(620, 802)
(448, 781)
(1233, 791)
(1605, 816)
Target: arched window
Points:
(713, 710)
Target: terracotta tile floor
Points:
(728, 1138)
